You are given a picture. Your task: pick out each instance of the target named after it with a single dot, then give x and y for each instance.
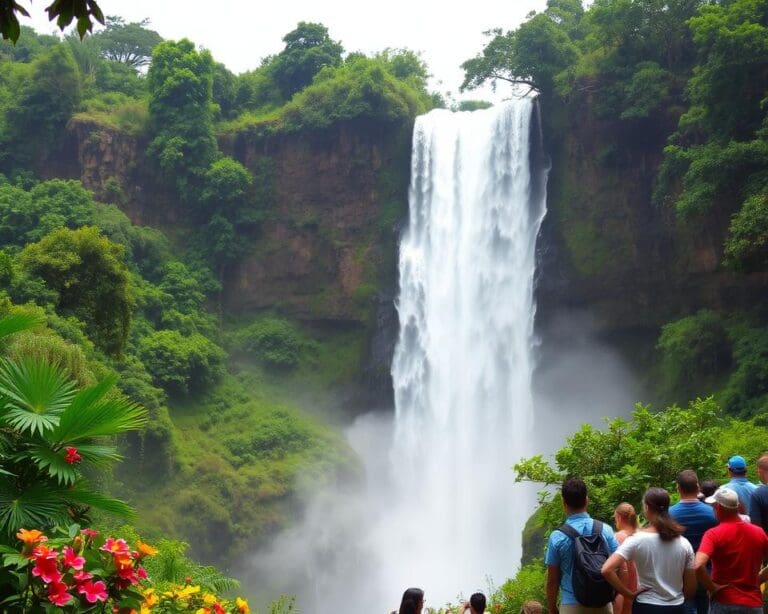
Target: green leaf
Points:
(83, 26)
(38, 505)
(18, 322)
(79, 493)
(35, 394)
(53, 463)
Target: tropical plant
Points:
(52, 436)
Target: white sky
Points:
(239, 33)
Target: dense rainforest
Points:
(223, 246)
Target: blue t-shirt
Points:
(696, 517)
(744, 488)
(560, 552)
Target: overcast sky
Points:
(240, 32)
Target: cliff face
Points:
(607, 249)
(328, 243)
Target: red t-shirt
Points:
(736, 549)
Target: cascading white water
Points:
(463, 364)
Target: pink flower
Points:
(58, 595)
(141, 572)
(89, 532)
(116, 546)
(93, 591)
(72, 560)
(127, 574)
(81, 576)
(72, 456)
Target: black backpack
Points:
(591, 589)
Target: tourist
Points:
(625, 521)
(560, 550)
(737, 470)
(736, 550)
(708, 488)
(696, 517)
(476, 604)
(758, 505)
(663, 557)
(412, 602)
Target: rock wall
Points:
(607, 249)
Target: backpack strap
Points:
(568, 530)
(597, 527)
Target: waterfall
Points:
(463, 363)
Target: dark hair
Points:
(574, 493)
(412, 598)
(627, 512)
(657, 500)
(477, 601)
(688, 482)
(708, 487)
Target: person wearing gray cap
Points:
(736, 550)
(737, 470)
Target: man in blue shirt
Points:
(696, 517)
(559, 558)
(737, 469)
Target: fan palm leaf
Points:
(34, 393)
(80, 494)
(37, 505)
(17, 322)
(92, 415)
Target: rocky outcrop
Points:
(606, 248)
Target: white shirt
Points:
(660, 566)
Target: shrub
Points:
(276, 343)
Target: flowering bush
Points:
(76, 571)
(190, 598)
(82, 571)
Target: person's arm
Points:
(702, 575)
(689, 583)
(553, 586)
(610, 572)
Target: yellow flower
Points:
(150, 599)
(145, 549)
(242, 606)
(209, 599)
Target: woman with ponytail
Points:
(412, 602)
(662, 557)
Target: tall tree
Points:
(127, 43)
(308, 48)
(180, 81)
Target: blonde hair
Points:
(627, 513)
(532, 607)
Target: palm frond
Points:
(99, 455)
(35, 393)
(80, 494)
(50, 462)
(38, 505)
(91, 415)
(17, 322)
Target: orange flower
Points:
(145, 549)
(31, 537)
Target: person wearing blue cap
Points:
(737, 470)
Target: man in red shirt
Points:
(736, 550)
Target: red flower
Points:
(72, 456)
(46, 567)
(93, 591)
(128, 574)
(218, 609)
(141, 572)
(81, 576)
(72, 560)
(58, 595)
(89, 532)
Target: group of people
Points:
(702, 555)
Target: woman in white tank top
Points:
(663, 558)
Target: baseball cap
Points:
(737, 463)
(725, 497)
